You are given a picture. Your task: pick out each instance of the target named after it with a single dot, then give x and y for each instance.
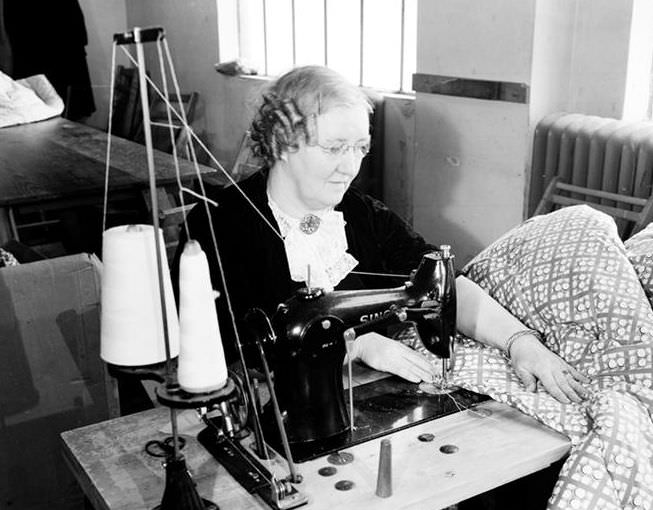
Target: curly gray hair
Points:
(291, 104)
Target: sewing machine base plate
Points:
(380, 408)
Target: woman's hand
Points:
(533, 362)
(387, 355)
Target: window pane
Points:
(279, 35)
(252, 47)
(309, 31)
(410, 44)
(382, 44)
(227, 30)
(343, 38)
(266, 42)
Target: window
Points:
(371, 42)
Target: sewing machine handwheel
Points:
(240, 403)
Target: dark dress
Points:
(254, 259)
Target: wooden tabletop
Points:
(492, 449)
(58, 158)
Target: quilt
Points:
(569, 276)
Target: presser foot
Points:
(435, 389)
(438, 386)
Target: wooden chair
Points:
(632, 213)
(161, 138)
(127, 114)
(245, 163)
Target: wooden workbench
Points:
(115, 473)
(59, 162)
(60, 159)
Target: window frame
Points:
(235, 40)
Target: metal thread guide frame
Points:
(180, 490)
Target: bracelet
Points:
(515, 336)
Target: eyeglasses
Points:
(338, 150)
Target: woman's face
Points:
(317, 176)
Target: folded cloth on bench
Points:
(27, 100)
(568, 275)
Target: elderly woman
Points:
(300, 211)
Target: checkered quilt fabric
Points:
(639, 249)
(568, 275)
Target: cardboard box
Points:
(51, 376)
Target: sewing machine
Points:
(304, 345)
(306, 342)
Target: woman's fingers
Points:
(417, 365)
(562, 382)
(576, 380)
(422, 364)
(563, 378)
(552, 386)
(388, 355)
(405, 372)
(528, 379)
(578, 388)
(408, 368)
(578, 376)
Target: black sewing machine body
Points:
(307, 346)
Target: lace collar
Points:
(318, 242)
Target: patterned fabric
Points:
(567, 275)
(639, 249)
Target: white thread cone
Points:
(131, 318)
(202, 365)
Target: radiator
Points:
(594, 152)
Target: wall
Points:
(471, 153)
(473, 156)
(399, 155)
(638, 79)
(191, 32)
(599, 52)
(553, 38)
(103, 18)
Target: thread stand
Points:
(180, 490)
(172, 395)
(154, 372)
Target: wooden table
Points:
(115, 473)
(61, 160)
